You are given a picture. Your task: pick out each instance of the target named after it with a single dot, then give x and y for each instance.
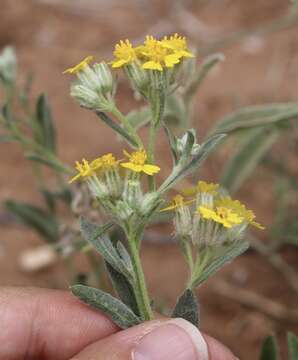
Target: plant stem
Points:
(140, 288)
(150, 154)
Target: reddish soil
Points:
(48, 38)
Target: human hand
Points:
(51, 324)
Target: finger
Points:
(160, 339)
(47, 324)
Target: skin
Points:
(52, 324)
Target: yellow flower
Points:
(178, 45)
(137, 163)
(202, 187)
(84, 169)
(124, 54)
(221, 215)
(108, 161)
(177, 202)
(239, 208)
(80, 66)
(157, 55)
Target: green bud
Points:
(183, 222)
(139, 78)
(122, 210)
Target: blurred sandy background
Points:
(50, 35)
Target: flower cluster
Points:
(216, 219)
(153, 54)
(115, 188)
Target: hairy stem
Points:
(140, 288)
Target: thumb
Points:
(157, 340)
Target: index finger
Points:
(47, 324)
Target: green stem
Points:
(198, 267)
(122, 118)
(140, 288)
(150, 154)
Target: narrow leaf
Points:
(196, 161)
(123, 288)
(114, 308)
(94, 235)
(44, 118)
(113, 125)
(253, 116)
(227, 254)
(292, 346)
(172, 143)
(40, 220)
(187, 307)
(269, 349)
(47, 162)
(249, 154)
(201, 74)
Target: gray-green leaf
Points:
(292, 346)
(93, 233)
(180, 172)
(249, 153)
(187, 307)
(269, 349)
(123, 288)
(114, 308)
(225, 254)
(44, 118)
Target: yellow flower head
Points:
(79, 67)
(137, 163)
(108, 161)
(124, 54)
(202, 187)
(178, 45)
(157, 55)
(237, 207)
(84, 169)
(221, 215)
(177, 202)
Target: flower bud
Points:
(8, 65)
(149, 201)
(139, 78)
(183, 221)
(122, 210)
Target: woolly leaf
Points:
(93, 233)
(44, 118)
(123, 288)
(38, 219)
(113, 125)
(269, 349)
(224, 255)
(114, 308)
(249, 154)
(292, 346)
(181, 171)
(187, 307)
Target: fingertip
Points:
(217, 351)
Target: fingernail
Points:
(176, 339)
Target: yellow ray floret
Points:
(178, 44)
(79, 67)
(85, 169)
(157, 55)
(239, 208)
(137, 163)
(221, 215)
(124, 54)
(202, 187)
(177, 202)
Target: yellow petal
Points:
(133, 167)
(150, 169)
(152, 65)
